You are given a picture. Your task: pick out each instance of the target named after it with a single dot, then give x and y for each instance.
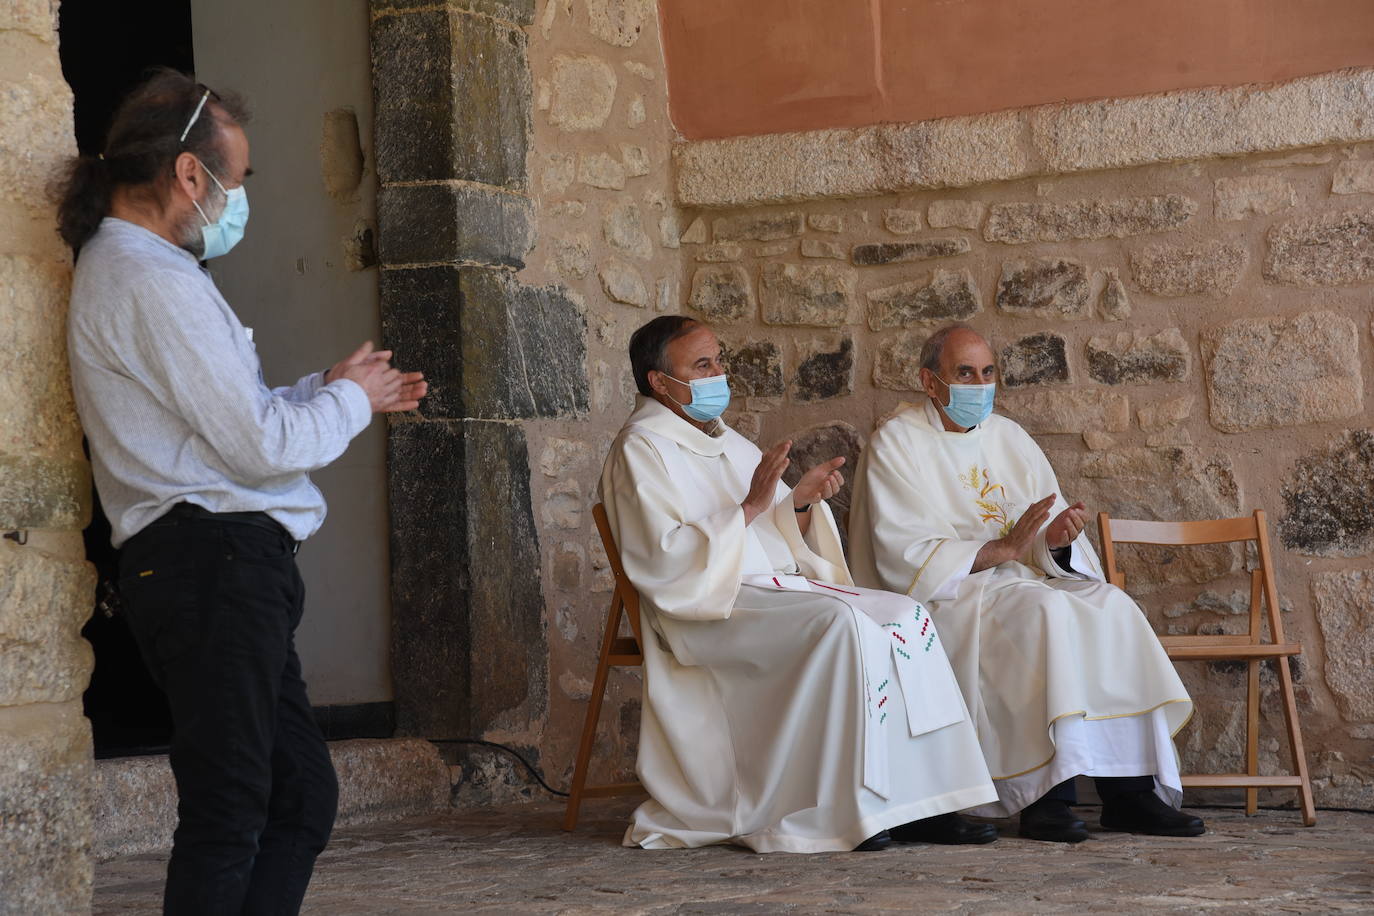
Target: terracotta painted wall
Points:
(767, 66)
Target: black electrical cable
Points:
(509, 750)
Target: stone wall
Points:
(607, 231)
(45, 583)
(1185, 340)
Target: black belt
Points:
(256, 519)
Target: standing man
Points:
(203, 472)
(957, 506)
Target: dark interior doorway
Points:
(107, 48)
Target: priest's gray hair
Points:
(934, 347)
(649, 347)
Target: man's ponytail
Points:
(85, 199)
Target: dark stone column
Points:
(453, 127)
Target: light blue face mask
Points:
(710, 397)
(225, 232)
(969, 405)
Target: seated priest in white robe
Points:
(784, 709)
(958, 508)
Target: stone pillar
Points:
(455, 222)
(46, 586)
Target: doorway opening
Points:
(106, 50)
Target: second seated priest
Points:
(958, 507)
(785, 709)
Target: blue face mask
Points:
(225, 232)
(969, 405)
(710, 397)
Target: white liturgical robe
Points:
(784, 708)
(1061, 672)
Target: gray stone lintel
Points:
(1044, 140)
(454, 222)
(491, 348)
(452, 93)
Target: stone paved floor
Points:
(517, 861)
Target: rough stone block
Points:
(619, 22)
(1212, 268)
(897, 252)
(1136, 356)
(758, 227)
(467, 636)
(520, 12)
(822, 442)
(44, 601)
(811, 295)
(696, 233)
(1345, 612)
(720, 252)
(37, 413)
(1327, 501)
(956, 214)
(39, 133)
(1044, 288)
(572, 256)
(1040, 359)
(622, 283)
(775, 249)
(635, 114)
(1252, 195)
(902, 222)
(819, 248)
(1328, 250)
(897, 365)
(583, 92)
(559, 173)
(1069, 412)
(1164, 414)
(1353, 177)
(45, 794)
(826, 222)
(722, 293)
(41, 492)
(755, 369)
(1114, 304)
(825, 368)
(563, 506)
(33, 17)
(623, 228)
(1270, 372)
(425, 224)
(1170, 484)
(601, 170)
(452, 97)
(1019, 223)
(943, 296)
(491, 348)
(635, 160)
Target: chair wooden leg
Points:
(584, 750)
(1252, 698)
(1290, 714)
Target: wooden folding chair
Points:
(615, 650)
(1249, 647)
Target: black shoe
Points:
(874, 843)
(1051, 820)
(1145, 812)
(946, 829)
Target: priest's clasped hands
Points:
(820, 482)
(1015, 544)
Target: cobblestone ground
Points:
(516, 861)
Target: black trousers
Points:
(1108, 787)
(213, 601)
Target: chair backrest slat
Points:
(629, 596)
(1209, 531)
